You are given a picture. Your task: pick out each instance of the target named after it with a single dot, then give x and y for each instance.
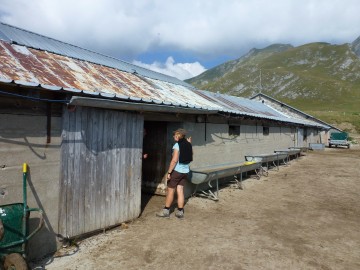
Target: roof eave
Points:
(133, 106)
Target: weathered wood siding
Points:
(100, 178)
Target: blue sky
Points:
(183, 38)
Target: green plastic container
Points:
(14, 234)
(12, 218)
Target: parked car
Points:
(339, 139)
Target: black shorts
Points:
(176, 179)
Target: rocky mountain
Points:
(356, 46)
(321, 79)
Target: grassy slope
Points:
(318, 78)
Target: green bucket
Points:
(12, 218)
(14, 226)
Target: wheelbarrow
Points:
(14, 223)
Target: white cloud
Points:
(204, 28)
(181, 71)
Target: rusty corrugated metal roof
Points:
(29, 39)
(292, 108)
(20, 63)
(252, 108)
(37, 67)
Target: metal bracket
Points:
(208, 193)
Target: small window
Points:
(266, 131)
(234, 130)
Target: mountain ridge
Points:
(319, 78)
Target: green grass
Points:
(336, 118)
(318, 78)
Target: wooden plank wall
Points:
(100, 178)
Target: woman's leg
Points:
(169, 197)
(180, 196)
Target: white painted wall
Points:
(220, 148)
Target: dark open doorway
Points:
(154, 165)
(154, 145)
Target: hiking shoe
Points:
(163, 213)
(179, 214)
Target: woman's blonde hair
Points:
(180, 132)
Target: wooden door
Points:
(100, 178)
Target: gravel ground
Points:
(304, 216)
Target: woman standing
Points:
(177, 173)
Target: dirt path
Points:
(304, 216)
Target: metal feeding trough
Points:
(273, 158)
(301, 148)
(208, 174)
(291, 152)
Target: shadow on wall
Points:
(88, 130)
(101, 130)
(36, 148)
(45, 240)
(24, 139)
(46, 234)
